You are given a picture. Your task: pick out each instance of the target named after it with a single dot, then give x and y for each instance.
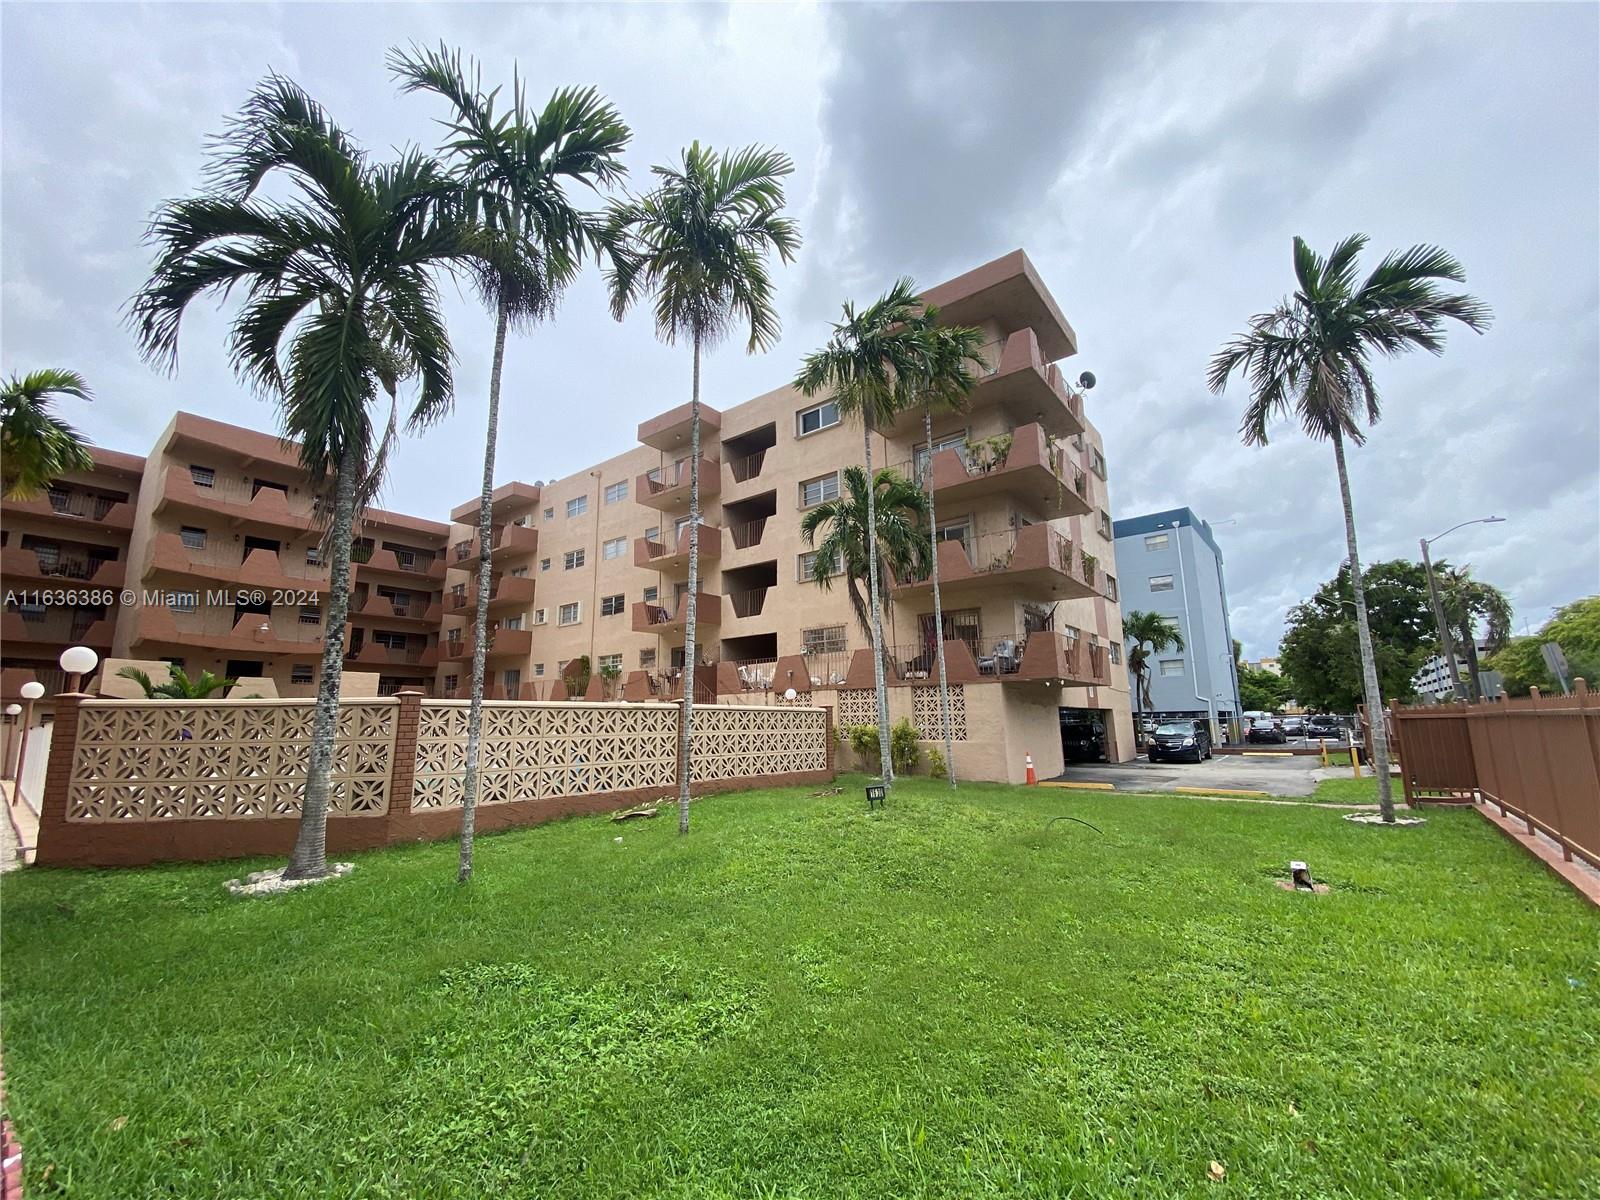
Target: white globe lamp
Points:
(78, 661)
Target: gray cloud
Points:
(1154, 160)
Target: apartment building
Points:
(1171, 564)
(595, 565)
(64, 558)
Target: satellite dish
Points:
(1086, 380)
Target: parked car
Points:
(1294, 727)
(1325, 727)
(1082, 741)
(1262, 731)
(1177, 740)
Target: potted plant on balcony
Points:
(986, 454)
(1090, 564)
(609, 676)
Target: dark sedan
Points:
(1266, 732)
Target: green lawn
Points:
(949, 998)
(1347, 789)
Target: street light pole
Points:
(1447, 649)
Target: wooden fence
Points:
(1536, 758)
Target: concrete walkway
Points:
(19, 831)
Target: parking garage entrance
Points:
(1086, 735)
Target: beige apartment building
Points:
(595, 564)
(213, 537)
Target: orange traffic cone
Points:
(1027, 761)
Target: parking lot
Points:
(1257, 771)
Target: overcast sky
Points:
(1153, 161)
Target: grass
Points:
(951, 997)
(1347, 789)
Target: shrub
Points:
(903, 749)
(936, 763)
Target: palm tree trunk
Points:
(480, 614)
(1369, 663)
(885, 766)
(685, 744)
(308, 859)
(938, 607)
(1470, 643)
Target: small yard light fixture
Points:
(78, 661)
(791, 695)
(13, 711)
(31, 691)
(875, 793)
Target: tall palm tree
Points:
(868, 367)
(337, 276)
(943, 383)
(1312, 356)
(697, 243)
(36, 446)
(514, 168)
(898, 510)
(1469, 603)
(1148, 633)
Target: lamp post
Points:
(1447, 650)
(13, 711)
(31, 691)
(78, 661)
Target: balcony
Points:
(69, 565)
(369, 561)
(48, 633)
(240, 502)
(217, 628)
(658, 556)
(749, 602)
(654, 618)
(386, 608)
(507, 541)
(374, 654)
(670, 432)
(502, 642)
(1026, 464)
(1024, 386)
(260, 568)
(87, 508)
(1034, 560)
(505, 591)
(666, 489)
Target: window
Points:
(577, 506)
(544, 564)
(572, 560)
(451, 682)
(826, 639)
(616, 492)
(647, 660)
(183, 601)
(313, 555)
(1105, 524)
(650, 594)
(511, 680)
(1161, 583)
(310, 614)
(1116, 654)
(1172, 666)
(808, 565)
(512, 622)
(820, 490)
(679, 526)
(821, 416)
(1111, 588)
(653, 534)
(569, 615)
(541, 615)
(538, 670)
(194, 539)
(175, 662)
(203, 476)
(302, 673)
(1155, 541)
(518, 572)
(613, 547)
(389, 638)
(611, 662)
(924, 454)
(1097, 461)
(611, 606)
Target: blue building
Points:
(1169, 563)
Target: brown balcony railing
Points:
(81, 504)
(748, 603)
(748, 467)
(748, 533)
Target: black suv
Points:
(1082, 741)
(1266, 731)
(1325, 727)
(1177, 740)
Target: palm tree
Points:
(1312, 354)
(36, 446)
(514, 168)
(1467, 602)
(697, 243)
(339, 300)
(1148, 633)
(898, 510)
(943, 383)
(868, 367)
(179, 686)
